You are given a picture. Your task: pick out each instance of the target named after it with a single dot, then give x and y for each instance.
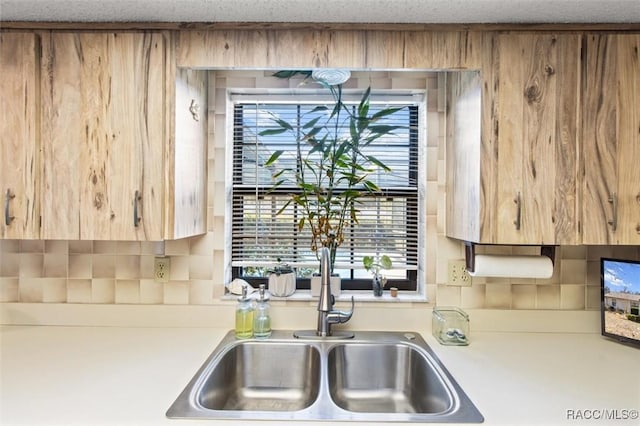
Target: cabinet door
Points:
(186, 212)
(18, 136)
(536, 109)
(611, 140)
(103, 135)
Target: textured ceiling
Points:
(330, 11)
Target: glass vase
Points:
(377, 282)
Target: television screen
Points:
(621, 299)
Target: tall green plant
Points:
(332, 168)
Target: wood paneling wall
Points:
(282, 49)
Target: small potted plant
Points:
(282, 280)
(374, 266)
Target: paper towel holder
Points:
(470, 254)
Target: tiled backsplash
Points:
(122, 272)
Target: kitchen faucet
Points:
(326, 314)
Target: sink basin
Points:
(375, 376)
(386, 378)
(256, 376)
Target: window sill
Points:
(345, 296)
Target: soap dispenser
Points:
(262, 316)
(244, 316)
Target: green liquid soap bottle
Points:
(244, 316)
(262, 316)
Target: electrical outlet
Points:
(162, 269)
(458, 274)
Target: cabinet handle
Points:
(136, 202)
(518, 220)
(194, 109)
(7, 216)
(614, 221)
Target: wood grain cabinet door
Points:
(18, 136)
(536, 111)
(186, 211)
(103, 112)
(611, 140)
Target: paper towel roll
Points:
(487, 265)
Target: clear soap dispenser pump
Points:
(262, 316)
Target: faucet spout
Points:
(326, 314)
(326, 298)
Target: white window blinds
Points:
(262, 232)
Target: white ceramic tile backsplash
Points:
(103, 290)
(54, 290)
(176, 293)
(107, 272)
(79, 291)
(548, 297)
(80, 266)
(9, 290)
(498, 295)
(523, 296)
(151, 292)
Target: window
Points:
(262, 232)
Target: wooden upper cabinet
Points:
(187, 168)
(537, 110)
(103, 135)
(19, 135)
(124, 137)
(515, 181)
(467, 205)
(611, 140)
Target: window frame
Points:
(414, 281)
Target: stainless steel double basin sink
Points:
(375, 376)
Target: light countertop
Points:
(96, 375)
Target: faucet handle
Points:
(353, 304)
(338, 317)
(350, 312)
